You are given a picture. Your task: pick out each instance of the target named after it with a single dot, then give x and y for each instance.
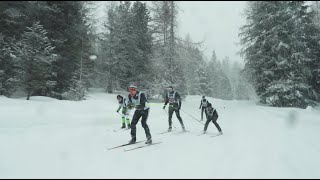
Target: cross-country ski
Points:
(143, 146)
(126, 144)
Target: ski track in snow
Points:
(48, 138)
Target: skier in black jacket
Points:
(203, 104)
(139, 101)
(174, 100)
(212, 115)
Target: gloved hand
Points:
(130, 106)
(179, 107)
(164, 107)
(199, 107)
(117, 111)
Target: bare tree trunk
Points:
(28, 95)
(110, 84)
(171, 44)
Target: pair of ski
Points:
(173, 131)
(139, 147)
(189, 131)
(210, 136)
(119, 130)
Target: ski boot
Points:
(149, 141)
(123, 126)
(129, 126)
(170, 129)
(133, 140)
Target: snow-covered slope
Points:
(48, 138)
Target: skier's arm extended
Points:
(119, 108)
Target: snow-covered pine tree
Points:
(77, 91)
(312, 30)
(125, 48)
(10, 69)
(275, 52)
(13, 18)
(226, 69)
(192, 58)
(174, 62)
(142, 39)
(225, 66)
(242, 89)
(225, 91)
(68, 27)
(165, 56)
(219, 83)
(212, 71)
(107, 67)
(204, 87)
(234, 77)
(37, 61)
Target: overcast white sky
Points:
(215, 22)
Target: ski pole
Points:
(191, 116)
(171, 119)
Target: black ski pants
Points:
(171, 110)
(137, 115)
(214, 119)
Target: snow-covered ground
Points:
(48, 138)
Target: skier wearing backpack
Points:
(203, 105)
(123, 103)
(139, 100)
(174, 100)
(212, 115)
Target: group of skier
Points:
(139, 101)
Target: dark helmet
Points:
(119, 96)
(203, 97)
(209, 105)
(169, 87)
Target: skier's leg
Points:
(145, 114)
(202, 109)
(123, 119)
(128, 122)
(170, 116)
(134, 122)
(206, 124)
(179, 118)
(215, 118)
(128, 119)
